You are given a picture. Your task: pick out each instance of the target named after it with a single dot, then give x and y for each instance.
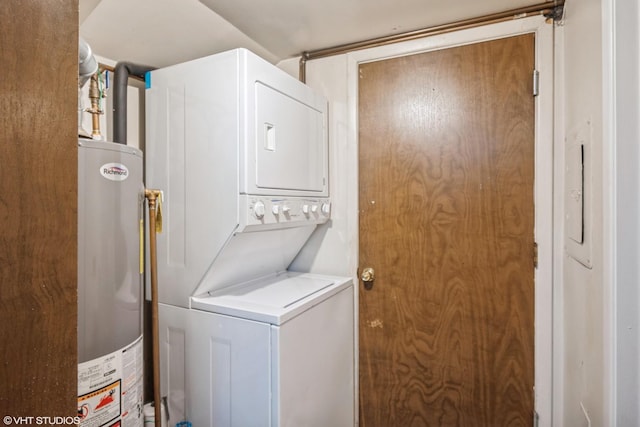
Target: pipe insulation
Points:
(87, 64)
(122, 72)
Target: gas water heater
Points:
(110, 291)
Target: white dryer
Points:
(241, 150)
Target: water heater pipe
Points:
(87, 64)
(552, 10)
(154, 196)
(94, 95)
(122, 72)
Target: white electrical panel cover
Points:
(577, 198)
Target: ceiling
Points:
(164, 32)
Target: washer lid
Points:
(272, 300)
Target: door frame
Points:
(545, 310)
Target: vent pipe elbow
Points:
(87, 64)
(87, 67)
(121, 77)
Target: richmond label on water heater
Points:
(114, 171)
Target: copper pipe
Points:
(547, 9)
(95, 111)
(302, 71)
(152, 196)
(107, 67)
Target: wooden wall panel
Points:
(38, 207)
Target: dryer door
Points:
(290, 143)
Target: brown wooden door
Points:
(446, 221)
(38, 210)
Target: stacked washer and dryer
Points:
(240, 149)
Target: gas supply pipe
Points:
(154, 198)
(95, 95)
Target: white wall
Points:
(622, 187)
(333, 247)
(583, 290)
(600, 85)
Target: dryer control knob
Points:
(258, 210)
(314, 208)
(305, 209)
(275, 209)
(326, 208)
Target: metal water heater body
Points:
(110, 285)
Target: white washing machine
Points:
(271, 352)
(240, 149)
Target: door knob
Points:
(367, 275)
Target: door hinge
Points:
(535, 254)
(536, 419)
(536, 82)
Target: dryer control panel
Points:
(258, 212)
